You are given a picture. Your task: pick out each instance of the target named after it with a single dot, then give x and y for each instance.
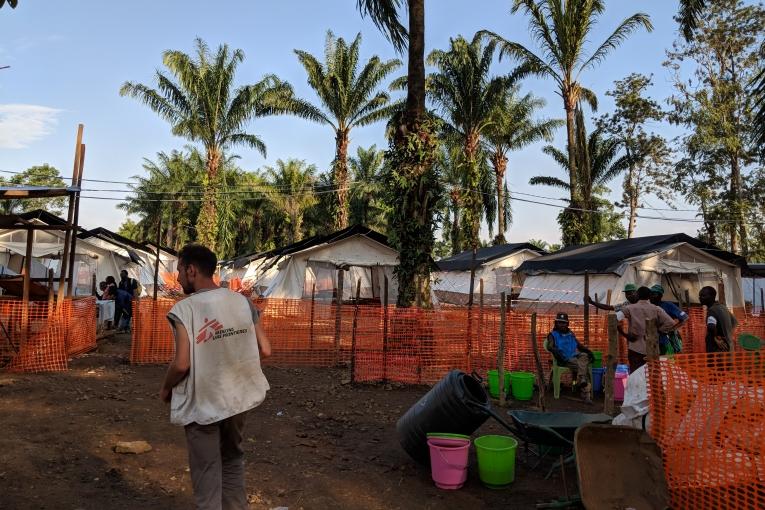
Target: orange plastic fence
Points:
(708, 416)
(152, 337)
(40, 338)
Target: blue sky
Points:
(68, 60)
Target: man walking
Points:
(214, 378)
(637, 314)
(720, 322)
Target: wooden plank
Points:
(69, 221)
(611, 358)
(338, 315)
(538, 361)
(501, 351)
(313, 314)
(156, 261)
(586, 309)
(353, 331)
(385, 328)
(73, 250)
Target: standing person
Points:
(669, 342)
(720, 322)
(111, 291)
(214, 379)
(637, 314)
(129, 285)
(569, 353)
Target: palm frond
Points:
(549, 181)
(385, 15)
(690, 12)
(618, 36)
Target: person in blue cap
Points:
(569, 353)
(670, 342)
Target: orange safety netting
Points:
(708, 416)
(152, 340)
(40, 337)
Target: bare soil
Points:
(314, 443)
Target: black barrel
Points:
(456, 405)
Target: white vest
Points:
(225, 377)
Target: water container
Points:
(454, 405)
(597, 379)
(620, 384)
(623, 368)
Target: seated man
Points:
(569, 353)
(669, 343)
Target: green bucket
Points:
(598, 359)
(496, 460)
(493, 377)
(522, 384)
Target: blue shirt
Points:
(565, 342)
(676, 313)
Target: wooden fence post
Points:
(51, 294)
(353, 331)
(313, 314)
(611, 357)
(385, 328)
(762, 300)
(480, 320)
(338, 315)
(501, 350)
(586, 308)
(687, 299)
(156, 262)
(538, 360)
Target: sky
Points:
(69, 59)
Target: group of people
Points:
(122, 293)
(641, 304)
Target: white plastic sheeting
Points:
(679, 268)
(754, 289)
(496, 275)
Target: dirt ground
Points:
(314, 443)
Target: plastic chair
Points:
(558, 371)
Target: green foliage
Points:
(293, 193)
(413, 192)
(197, 97)
(367, 207)
(41, 175)
(349, 97)
(131, 230)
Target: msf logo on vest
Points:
(208, 330)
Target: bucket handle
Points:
(477, 377)
(453, 466)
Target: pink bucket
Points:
(448, 462)
(620, 384)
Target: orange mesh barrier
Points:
(41, 338)
(708, 416)
(152, 340)
(81, 325)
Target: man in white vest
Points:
(214, 379)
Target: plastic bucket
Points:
(597, 359)
(623, 368)
(597, 379)
(522, 384)
(496, 460)
(620, 384)
(453, 439)
(493, 377)
(448, 462)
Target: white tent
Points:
(680, 263)
(311, 266)
(754, 287)
(495, 265)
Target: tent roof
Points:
(754, 270)
(309, 243)
(44, 216)
(607, 257)
(462, 261)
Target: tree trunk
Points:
(499, 162)
(207, 223)
(737, 229)
(632, 196)
(571, 147)
(455, 233)
(341, 177)
(415, 97)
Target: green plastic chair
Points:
(749, 342)
(558, 371)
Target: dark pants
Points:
(216, 462)
(635, 359)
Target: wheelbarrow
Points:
(628, 459)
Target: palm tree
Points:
(349, 97)
(561, 28)
(200, 102)
(513, 128)
(293, 193)
(690, 12)
(367, 189)
(598, 163)
(453, 176)
(411, 180)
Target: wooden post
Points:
(608, 297)
(501, 350)
(721, 293)
(27, 286)
(385, 328)
(69, 222)
(353, 331)
(597, 300)
(156, 262)
(51, 294)
(480, 319)
(687, 299)
(538, 360)
(586, 309)
(338, 315)
(611, 357)
(762, 300)
(73, 249)
(313, 314)
(93, 286)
